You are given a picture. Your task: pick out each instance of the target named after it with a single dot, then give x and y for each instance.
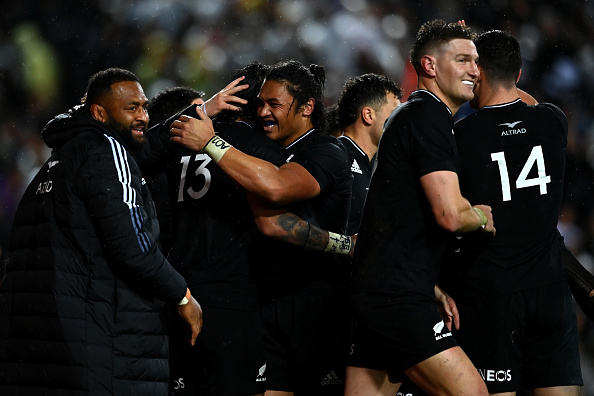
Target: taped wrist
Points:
(338, 243)
(216, 148)
(186, 298)
(482, 217)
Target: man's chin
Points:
(137, 143)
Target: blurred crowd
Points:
(48, 50)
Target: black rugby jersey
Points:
(288, 267)
(213, 230)
(512, 158)
(361, 168)
(400, 245)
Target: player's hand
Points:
(225, 99)
(191, 132)
(447, 308)
(489, 228)
(192, 314)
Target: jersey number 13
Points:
(201, 170)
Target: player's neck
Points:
(363, 139)
(430, 85)
(497, 96)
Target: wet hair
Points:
(499, 56)
(365, 90)
(169, 102)
(100, 83)
(303, 83)
(254, 73)
(334, 127)
(432, 34)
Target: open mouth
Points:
(268, 124)
(468, 83)
(138, 132)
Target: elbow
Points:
(268, 227)
(449, 223)
(275, 196)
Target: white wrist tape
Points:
(482, 216)
(216, 148)
(338, 243)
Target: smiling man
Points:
(306, 342)
(79, 307)
(413, 205)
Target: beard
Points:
(134, 143)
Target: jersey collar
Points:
(436, 98)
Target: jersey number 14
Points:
(535, 158)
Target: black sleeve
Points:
(432, 145)
(109, 183)
(159, 148)
(327, 161)
(559, 114)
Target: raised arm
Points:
(225, 99)
(282, 185)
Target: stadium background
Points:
(49, 49)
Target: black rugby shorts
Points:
(523, 340)
(307, 336)
(228, 358)
(395, 332)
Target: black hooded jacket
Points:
(85, 279)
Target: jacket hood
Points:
(64, 126)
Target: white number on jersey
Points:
(523, 181)
(202, 170)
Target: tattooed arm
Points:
(287, 227)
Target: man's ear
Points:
(428, 65)
(519, 75)
(98, 112)
(308, 107)
(367, 115)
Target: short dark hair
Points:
(303, 83)
(100, 83)
(432, 34)
(500, 57)
(365, 90)
(169, 102)
(255, 73)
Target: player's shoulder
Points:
(421, 108)
(552, 108)
(321, 147)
